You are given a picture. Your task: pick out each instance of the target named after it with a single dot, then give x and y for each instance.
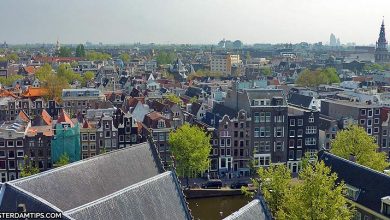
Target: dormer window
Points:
(385, 209)
(351, 192)
(161, 124)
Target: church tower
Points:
(381, 52)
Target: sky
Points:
(191, 21)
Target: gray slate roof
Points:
(161, 199)
(93, 178)
(252, 211)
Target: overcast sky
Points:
(191, 21)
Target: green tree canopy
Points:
(205, 73)
(165, 58)
(125, 57)
(43, 72)
(27, 169)
(66, 71)
(97, 56)
(355, 141)
(80, 50)
(173, 98)
(317, 77)
(314, 195)
(9, 80)
(64, 160)
(65, 52)
(190, 147)
(87, 77)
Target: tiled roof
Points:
(30, 69)
(63, 117)
(299, 100)
(161, 199)
(35, 92)
(23, 116)
(82, 182)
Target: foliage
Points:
(193, 99)
(88, 77)
(125, 57)
(355, 141)
(27, 169)
(266, 71)
(9, 80)
(10, 57)
(314, 195)
(66, 71)
(80, 50)
(97, 56)
(317, 77)
(43, 72)
(165, 58)
(173, 98)
(65, 52)
(64, 160)
(204, 73)
(54, 84)
(190, 147)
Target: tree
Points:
(193, 99)
(266, 71)
(190, 147)
(43, 72)
(97, 56)
(9, 80)
(317, 77)
(27, 169)
(54, 84)
(88, 77)
(354, 141)
(64, 160)
(65, 52)
(314, 195)
(173, 98)
(80, 50)
(165, 58)
(125, 57)
(66, 71)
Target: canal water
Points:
(215, 208)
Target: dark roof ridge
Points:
(351, 162)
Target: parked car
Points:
(216, 183)
(238, 184)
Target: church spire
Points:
(381, 53)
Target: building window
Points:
(384, 132)
(291, 155)
(2, 144)
(268, 117)
(257, 117)
(255, 147)
(351, 192)
(279, 132)
(362, 121)
(93, 146)
(299, 133)
(292, 133)
(92, 137)
(311, 130)
(279, 118)
(222, 142)
(310, 141)
(384, 142)
(19, 143)
(257, 132)
(20, 153)
(377, 111)
(11, 154)
(369, 122)
(10, 143)
(108, 134)
(299, 154)
(369, 131)
(291, 143)
(85, 137)
(106, 125)
(311, 119)
(300, 122)
(376, 129)
(376, 120)
(363, 112)
(228, 152)
(264, 160)
(2, 153)
(299, 143)
(369, 112)
(292, 122)
(161, 124)
(278, 146)
(121, 138)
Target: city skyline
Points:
(192, 22)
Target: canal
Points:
(216, 207)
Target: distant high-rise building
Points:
(332, 40)
(381, 52)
